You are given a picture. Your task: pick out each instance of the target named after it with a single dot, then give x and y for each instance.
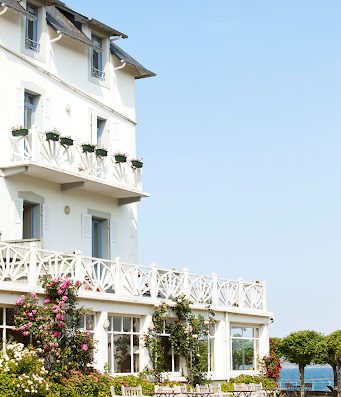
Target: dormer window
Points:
(31, 34)
(97, 58)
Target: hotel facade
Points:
(70, 184)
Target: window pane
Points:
(167, 348)
(211, 352)
(126, 324)
(242, 354)
(236, 331)
(136, 350)
(90, 322)
(117, 324)
(110, 352)
(212, 329)
(1, 316)
(136, 325)
(203, 352)
(248, 332)
(9, 316)
(122, 353)
(168, 322)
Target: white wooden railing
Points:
(34, 147)
(26, 265)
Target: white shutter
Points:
(87, 235)
(18, 215)
(46, 219)
(19, 107)
(113, 239)
(47, 114)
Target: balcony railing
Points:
(34, 147)
(24, 266)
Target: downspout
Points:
(122, 66)
(60, 35)
(4, 10)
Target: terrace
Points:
(72, 167)
(21, 267)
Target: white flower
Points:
(194, 336)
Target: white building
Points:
(74, 213)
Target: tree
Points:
(301, 348)
(331, 354)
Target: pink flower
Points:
(60, 292)
(34, 311)
(46, 301)
(25, 333)
(85, 347)
(55, 279)
(33, 294)
(20, 300)
(62, 303)
(59, 316)
(56, 334)
(65, 298)
(78, 283)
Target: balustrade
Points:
(34, 147)
(25, 265)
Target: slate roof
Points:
(141, 71)
(62, 24)
(14, 5)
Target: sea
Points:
(319, 376)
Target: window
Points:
(244, 343)
(87, 323)
(123, 344)
(97, 238)
(100, 130)
(30, 103)
(97, 58)
(207, 349)
(7, 330)
(31, 33)
(31, 220)
(172, 360)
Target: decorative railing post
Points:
(32, 268)
(214, 289)
(79, 267)
(186, 286)
(264, 302)
(118, 272)
(241, 300)
(154, 285)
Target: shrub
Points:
(266, 383)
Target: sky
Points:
(241, 138)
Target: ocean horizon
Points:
(319, 376)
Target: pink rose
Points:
(46, 301)
(85, 347)
(65, 298)
(25, 333)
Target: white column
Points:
(263, 340)
(144, 355)
(101, 337)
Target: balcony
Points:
(22, 266)
(72, 168)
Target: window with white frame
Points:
(244, 348)
(87, 324)
(30, 106)
(31, 28)
(123, 344)
(207, 349)
(97, 58)
(172, 360)
(7, 329)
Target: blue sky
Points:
(241, 136)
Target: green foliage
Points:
(54, 326)
(301, 347)
(188, 335)
(266, 383)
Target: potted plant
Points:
(88, 147)
(137, 163)
(66, 141)
(19, 131)
(101, 152)
(120, 157)
(52, 135)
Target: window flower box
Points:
(88, 147)
(136, 163)
(101, 152)
(66, 141)
(52, 136)
(120, 158)
(19, 132)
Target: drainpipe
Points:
(4, 10)
(60, 35)
(122, 66)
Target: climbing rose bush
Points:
(53, 326)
